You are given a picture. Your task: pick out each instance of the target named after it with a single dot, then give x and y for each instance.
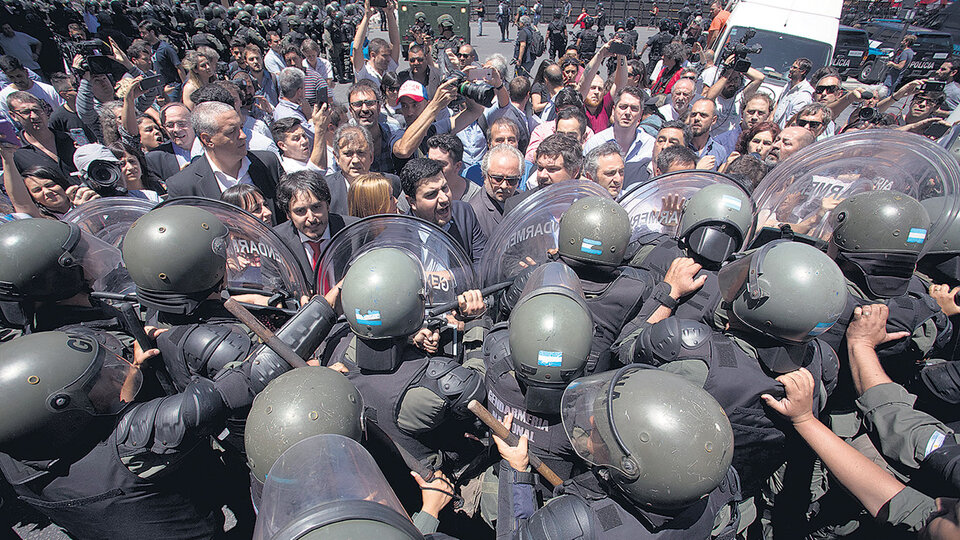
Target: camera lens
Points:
(104, 174)
(480, 92)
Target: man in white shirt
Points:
(312, 60)
(273, 60)
(680, 97)
(637, 146)
(20, 82)
(384, 55)
(798, 94)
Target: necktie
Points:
(315, 247)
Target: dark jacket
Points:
(291, 238)
(465, 229)
(197, 180)
(163, 161)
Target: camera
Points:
(105, 178)
(478, 91)
(740, 51)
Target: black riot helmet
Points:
(53, 385)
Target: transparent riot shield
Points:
(103, 265)
(109, 218)
(258, 262)
(803, 190)
(655, 207)
(448, 270)
(530, 229)
(328, 486)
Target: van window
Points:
(780, 50)
(935, 41)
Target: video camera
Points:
(105, 178)
(740, 51)
(478, 91)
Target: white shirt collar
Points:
(304, 239)
(225, 181)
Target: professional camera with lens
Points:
(739, 51)
(105, 178)
(478, 91)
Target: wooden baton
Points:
(501, 431)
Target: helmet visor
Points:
(585, 411)
(732, 276)
(109, 385)
(102, 265)
(554, 276)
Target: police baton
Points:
(439, 310)
(501, 431)
(269, 338)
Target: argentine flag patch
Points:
(916, 236)
(732, 203)
(591, 246)
(372, 318)
(549, 358)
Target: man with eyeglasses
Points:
(798, 93)
(364, 100)
(422, 69)
(20, 82)
(637, 146)
(815, 118)
(41, 145)
(829, 92)
(502, 169)
(172, 156)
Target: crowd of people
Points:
(677, 383)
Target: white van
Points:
(787, 30)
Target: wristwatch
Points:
(661, 295)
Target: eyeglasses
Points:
(415, 60)
(390, 89)
(177, 125)
(809, 123)
(464, 55)
(28, 112)
(826, 89)
(364, 103)
(500, 179)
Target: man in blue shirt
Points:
(703, 114)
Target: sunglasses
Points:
(462, 55)
(500, 179)
(366, 102)
(826, 89)
(809, 123)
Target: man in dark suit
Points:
(353, 149)
(559, 158)
(502, 168)
(304, 198)
(172, 156)
(429, 197)
(226, 161)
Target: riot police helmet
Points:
(631, 23)
(298, 404)
(594, 230)
(788, 291)
(53, 386)
(715, 222)
(420, 17)
(662, 441)
(551, 331)
(877, 239)
(177, 256)
(383, 294)
(40, 261)
(445, 21)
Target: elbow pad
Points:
(566, 516)
(672, 339)
(454, 384)
(201, 350)
(303, 333)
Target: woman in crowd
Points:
(139, 181)
(250, 198)
(199, 72)
(371, 194)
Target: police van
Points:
(786, 30)
(932, 48)
(850, 51)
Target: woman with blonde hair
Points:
(371, 194)
(199, 71)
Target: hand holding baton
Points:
(501, 431)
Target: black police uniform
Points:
(557, 36)
(588, 43)
(149, 472)
(736, 378)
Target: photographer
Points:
(422, 116)
(730, 89)
(102, 171)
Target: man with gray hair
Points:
(522, 48)
(502, 168)
(290, 81)
(226, 161)
(814, 117)
(604, 165)
(353, 150)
